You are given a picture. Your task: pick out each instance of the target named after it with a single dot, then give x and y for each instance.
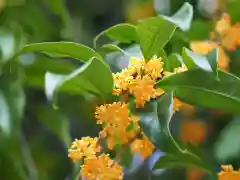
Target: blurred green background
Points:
(34, 137)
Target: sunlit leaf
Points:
(94, 77)
(201, 88)
(154, 33)
(183, 17)
(62, 49)
(124, 33)
(194, 60)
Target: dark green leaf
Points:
(154, 33)
(124, 33)
(201, 88)
(94, 77)
(113, 48)
(183, 17)
(164, 111)
(126, 158)
(193, 60)
(62, 49)
(55, 122)
(179, 159)
(173, 61)
(227, 145)
(150, 124)
(212, 58)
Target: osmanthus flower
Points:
(225, 37)
(85, 147)
(228, 173)
(118, 125)
(101, 168)
(142, 146)
(139, 79)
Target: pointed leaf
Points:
(202, 88)
(164, 111)
(94, 77)
(113, 48)
(194, 60)
(183, 17)
(154, 33)
(173, 61)
(124, 33)
(212, 58)
(62, 49)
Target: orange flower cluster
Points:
(228, 173)
(139, 79)
(225, 37)
(119, 126)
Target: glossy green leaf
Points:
(112, 48)
(194, 60)
(227, 145)
(124, 33)
(212, 58)
(164, 111)
(150, 124)
(179, 159)
(5, 117)
(55, 122)
(183, 17)
(201, 88)
(94, 77)
(62, 49)
(173, 61)
(154, 33)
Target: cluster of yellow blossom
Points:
(225, 37)
(228, 173)
(119, 126)
(139, 79)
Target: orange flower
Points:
(101, 167)
(85, 147)
(193, 131)
(195, 174)
(143, 146)
(228, 173)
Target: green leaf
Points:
(124, 33)
(94, 77)
(62, 49)
(212, 58)
(126, 158)
(227, 145)
(202, 88)
(165, 111)
(194, 60)
(55, 122)
(154, 33)
(113, 48)
(183, 17)
(173, 61)
(179, 159)
(5, 117)
(150, 124)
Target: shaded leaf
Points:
(124, 33)
(194, 60)
(94, 77)
(173, 61)
(212, 58)
(62, 49)
(55, 122)
(154, 33)
(126, 158)
(201, 88)
(5, 117)
(164, 111)
(113, 48)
